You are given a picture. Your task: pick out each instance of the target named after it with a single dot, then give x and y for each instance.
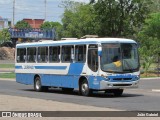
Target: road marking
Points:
(156, 90)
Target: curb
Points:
(8, 79)
(153, 78)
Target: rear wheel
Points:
(84, 88)
(38, 86)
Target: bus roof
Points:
(78, 41)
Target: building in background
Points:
(4, 23)
(34, 23)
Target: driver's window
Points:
(93, 57)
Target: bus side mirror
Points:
(72, 56)
(99, 50)
(99, 53)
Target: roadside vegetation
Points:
(7, 75)
(7, 66)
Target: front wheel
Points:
(38, 86)
(84, 88)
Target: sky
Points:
(34, 9)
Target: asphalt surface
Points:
(145, 98)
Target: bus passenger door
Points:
(92, 69)
(92, 59)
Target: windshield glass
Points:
(119, 57)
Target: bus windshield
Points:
(119, 57)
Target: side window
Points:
(80, 53)
(54, 53)
(31, 54)
(93, 57)
(67, 52)
(21, 55)
(42, 55)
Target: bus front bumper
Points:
(118, 85)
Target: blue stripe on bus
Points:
(75, 68)
(51, 67)
(18, 67)
(68, 81)
(45, 67)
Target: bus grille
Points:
(122, 78)
(122, 84)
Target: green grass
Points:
(7, 75)
(7, 65)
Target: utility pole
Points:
(45, 14)
(13, 13)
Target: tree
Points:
(22, 25)
(155, 7)
(50, 25)
(53, 25)
(149, 36)
(150, 40)
(152, 26)
(78, 19)
(4, 35)
(120, 18)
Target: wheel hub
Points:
(37, 84)
(84, 87)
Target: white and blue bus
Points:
(91, 64)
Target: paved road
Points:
(146, 97)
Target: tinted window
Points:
(67, 51)
(42, 54)
(54, 53)
(31, 54)
(21, 55)
(80, 53)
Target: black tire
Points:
(67, 90)
(118, 92)
(38, 86)
(84, 88)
